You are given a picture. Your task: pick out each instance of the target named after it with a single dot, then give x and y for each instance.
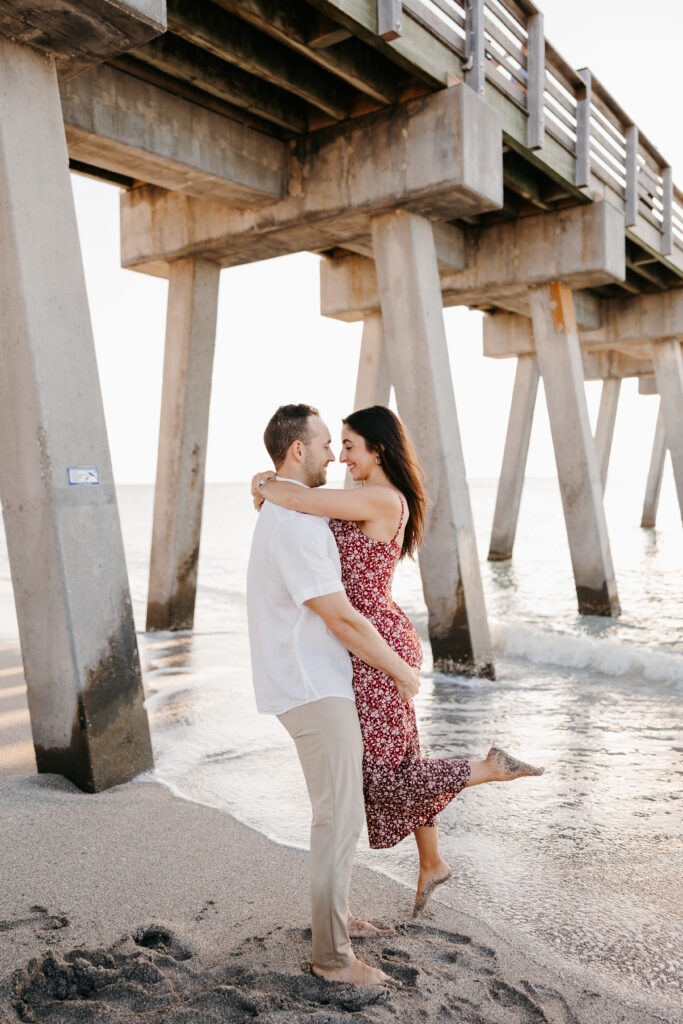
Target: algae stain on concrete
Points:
(110, 741)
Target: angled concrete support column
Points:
(514, 459)
(604, 430)
(179, 493)
(59, 504)
(415, 336)
(559, 360)
(655, 473)
(373, 385)
(668, 363)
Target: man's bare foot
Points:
(427, 883)
(357, 973)
(359, 929)
(506, 768)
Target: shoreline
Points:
(88, 872)
(164, 900)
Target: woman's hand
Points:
(256, 494)
(408, 684)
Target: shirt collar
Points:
(288, 480)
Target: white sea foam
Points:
(573, 650)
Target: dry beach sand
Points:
(136, 906)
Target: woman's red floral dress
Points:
(403, 791)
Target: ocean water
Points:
(585, 860)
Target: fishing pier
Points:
(434, 153)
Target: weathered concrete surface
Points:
(604, 430)
(81, 33)
(582, 246)
(415, 338)
(449, 242)
(515, 454)
(508, 335)
(610, 365)
(123, 124)
(373, 385)
(637, 319)
(668, 363)
(559, 360)
(441, 157)
(65, 550)
(179, 492)
(655, 473)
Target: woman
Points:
(375, 525)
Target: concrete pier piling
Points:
(655, 473)
(61, 519)
(515, 454)
(410, 294)
(559, 359)
(668, 363)
(604, 430)
(373, 385)
(186, 394)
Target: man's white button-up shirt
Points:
(295, 658)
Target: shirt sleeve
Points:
(301, 551)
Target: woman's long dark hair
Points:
(385, 435)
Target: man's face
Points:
(318, 453)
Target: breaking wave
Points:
(599, 654)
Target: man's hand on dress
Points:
(409, 683)
(258, 498)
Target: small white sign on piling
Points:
(83, 475)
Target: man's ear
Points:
(297, 450)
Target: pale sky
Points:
(272, 345)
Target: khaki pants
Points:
(330, 748)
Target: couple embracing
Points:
(318, 590)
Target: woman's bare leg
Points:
(497, 766)
(433, 868)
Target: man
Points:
(301, 628)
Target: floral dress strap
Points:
(400, 522)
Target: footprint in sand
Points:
(150, 975)
(38, 917)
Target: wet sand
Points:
(134, 905)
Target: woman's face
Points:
(354, 452)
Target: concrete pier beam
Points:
(115, 121)
(655, 473)
(79, 35)
(668, 363)
(408, 280)
(647, 385)
(441, 158)
(604, 430)
(514, 459)
(61, 519)
(373, 385)
(186, 393)
(582, 246)
(559, 360)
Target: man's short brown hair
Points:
(287, 425)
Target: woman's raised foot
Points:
(506, 768)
